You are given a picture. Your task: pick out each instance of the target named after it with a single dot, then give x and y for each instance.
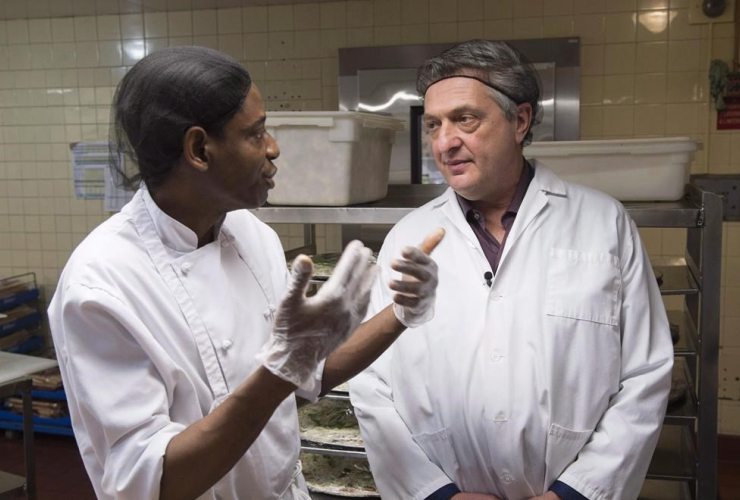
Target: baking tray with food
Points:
(339, 393)
(330, 424)
(338, 476)
(324, 264)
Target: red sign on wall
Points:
(729, 119)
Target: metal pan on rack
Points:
(340, 393)
(330, 424)
(342, 388)
(348, 439)
(338, 476)
(324, 264)
(334, 450)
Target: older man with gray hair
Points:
(546, 369)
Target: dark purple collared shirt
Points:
(492, 248)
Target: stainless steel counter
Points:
(402, 199)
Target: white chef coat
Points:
(152, 333)
(560, 370)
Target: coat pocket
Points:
(584, 286)
(563, 446)
(438, 449)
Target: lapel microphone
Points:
(488, 276)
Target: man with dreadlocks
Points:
(546, 369)
(181, 336)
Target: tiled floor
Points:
(61, 476)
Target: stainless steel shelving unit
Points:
(11, 485)
(685, 463)
(15, 371)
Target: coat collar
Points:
(546, 180)
(252, 252)
(545, 183)
(174, 234)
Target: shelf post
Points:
(710, 262)
(28, 450)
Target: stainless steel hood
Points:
(383, 79)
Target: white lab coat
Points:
(560, 370)
(152, 333)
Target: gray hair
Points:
(511, 78)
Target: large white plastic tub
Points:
(331, 158)
(628, 170)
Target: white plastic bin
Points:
(628, 170)
(331, 158)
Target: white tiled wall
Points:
(643, 75)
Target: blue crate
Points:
(9, 416)
(14, 422)
(19, 324)
(18, 299)
(40, 427)
(32, 344)
(59, 395)
(62, 425)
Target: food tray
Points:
(330, 424)
(48, 380)
(324, 264)
(19, 317)
(45, 409)
(14, 292)
(340, 476)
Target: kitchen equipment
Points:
(333, 454)
(331, 158)
(324, 264)
(330, 423)
(627, 169)
(338, 476)
(677, 396)
(384, 79)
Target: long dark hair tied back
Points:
(160, 98)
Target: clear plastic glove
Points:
(413, 305)
(308, 329)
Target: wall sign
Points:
(729, 118)
(732, 85)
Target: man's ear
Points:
(194, 148)
(522, 121)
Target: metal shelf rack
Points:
(685, 461)
(20, 314)
(11, 485)
(15, 371)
